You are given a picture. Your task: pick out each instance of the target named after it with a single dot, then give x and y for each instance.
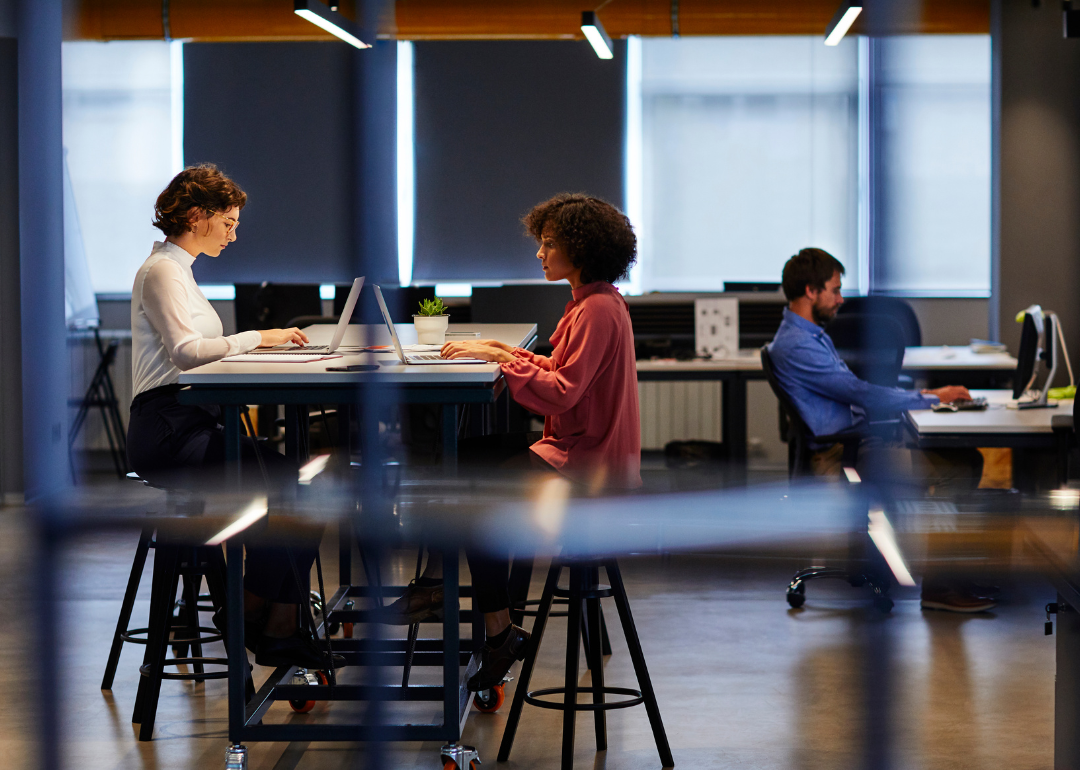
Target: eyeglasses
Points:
(231, 223)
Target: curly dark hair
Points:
(200, 187)
(597, 237)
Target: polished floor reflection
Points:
(742, 681)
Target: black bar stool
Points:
(583, 598)
(175, 564)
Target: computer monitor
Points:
(1038, 342)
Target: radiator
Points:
(679, 411)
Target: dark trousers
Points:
(503, 454)
(181, 446)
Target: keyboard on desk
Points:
(305, 351)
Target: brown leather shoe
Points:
(495, 662)
(951, 599)
(417, 604)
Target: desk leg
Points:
(296, 432)
(231, 416)
(734, 426)
(1067, 688)
(234, 570)
(449, 439)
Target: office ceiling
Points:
(239, 20)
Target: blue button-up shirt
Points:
(830, 399)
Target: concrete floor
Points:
(742, 681)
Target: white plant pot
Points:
(431, 329)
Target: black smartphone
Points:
(353, 368)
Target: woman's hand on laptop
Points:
(274, 337)
(478, 349)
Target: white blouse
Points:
(173, 326)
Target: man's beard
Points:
(821, 315)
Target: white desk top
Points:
(390, 370)
(924, 358)
(955, 357)
(996, 419)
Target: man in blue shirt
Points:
(831, 399)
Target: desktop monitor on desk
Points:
(1038, 341)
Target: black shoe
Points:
(252, 628)
(496, 662)
(417, 605)
(301, 649)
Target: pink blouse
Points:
(587, 390)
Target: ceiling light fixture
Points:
(597, 35)
(329, 20)
(841, 23)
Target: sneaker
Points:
(418, 604)
(495, 662)
(951, 599)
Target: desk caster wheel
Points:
(347, 630)
(452, 765)
(236, 757)
(304, 677)
(490, 701)
(796, 597)
(455, 756)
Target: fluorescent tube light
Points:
(331, 21)
(841, 23)
(597, 35)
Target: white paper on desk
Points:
(272, 359)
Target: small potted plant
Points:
(431, 322)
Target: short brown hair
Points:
(199, 187)
(597, 237)
(810, 267)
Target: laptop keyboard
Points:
(307, 351)
(425, 357)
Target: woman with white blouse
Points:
(174, 328)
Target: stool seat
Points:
(582, 597)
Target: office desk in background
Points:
(296, 385)
(735, 371)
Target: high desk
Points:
(233, 385)
(735, 371)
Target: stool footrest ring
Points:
(533, 699)
(145, 668)
(592, 592)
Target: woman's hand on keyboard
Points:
(274, 337)
(476, 350)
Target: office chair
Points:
(270, 305)
(801, 441)
(894, 307)
(542, 304)
(871, 344)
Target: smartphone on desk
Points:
(353, 368)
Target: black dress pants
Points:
(181, 446)
(503, 453)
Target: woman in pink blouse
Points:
(586, 390)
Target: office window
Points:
(749, 153)
(122, 134)
(932, 236)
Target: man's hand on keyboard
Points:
(950, 393)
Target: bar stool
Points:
(175, 563)
(583, 596)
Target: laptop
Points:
(424, 359)
(339, 332)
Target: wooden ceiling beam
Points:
(261, 20)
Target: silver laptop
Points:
(425, 359)
(339, 332)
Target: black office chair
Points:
(894, 307)
(861, 569)
(542, 304)
(871, 344)
(271, 305)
